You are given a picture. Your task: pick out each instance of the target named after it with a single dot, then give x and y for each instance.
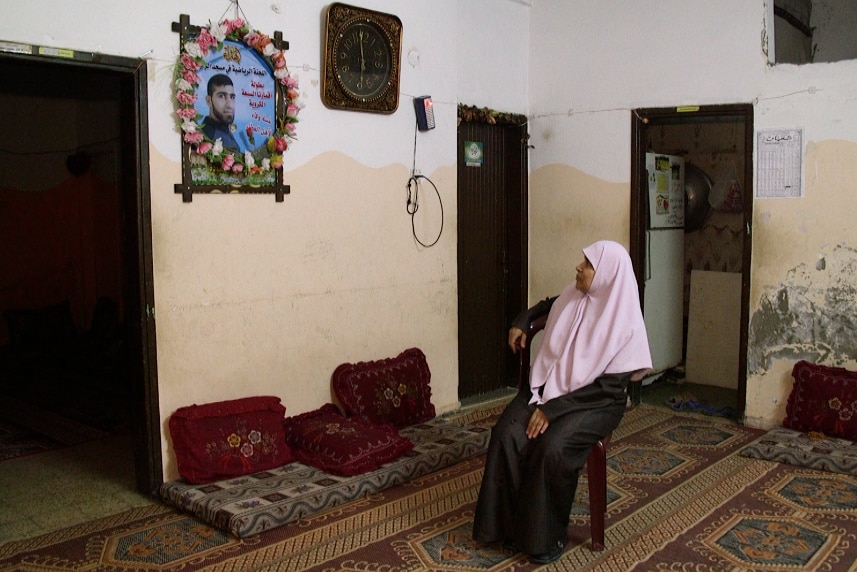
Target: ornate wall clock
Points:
(362, 60)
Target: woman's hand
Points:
(517, 339)
(538, 424)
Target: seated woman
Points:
(594, 342)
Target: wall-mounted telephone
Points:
(425, 113)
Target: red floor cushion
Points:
(229, 438)
(394, 391)
(327, 440)
(823, 399)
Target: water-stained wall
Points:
(810, 315)
(804, 287)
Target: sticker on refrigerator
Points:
(666, 190)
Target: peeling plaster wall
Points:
(804, 287)
(810, 315)
(592, 63)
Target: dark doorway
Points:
(84, 321)
(712, 139)
(492, 250)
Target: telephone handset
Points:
(425, 112)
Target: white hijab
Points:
(588, 335)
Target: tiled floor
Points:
(668, 391)
(49, 491)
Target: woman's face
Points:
(585, 274)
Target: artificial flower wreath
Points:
(212, 153)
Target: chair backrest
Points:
(536, 326)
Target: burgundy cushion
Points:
(392, 391)
(229, 438)
(823, 399)
(340, 445)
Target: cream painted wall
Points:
(617, 56)
(568, 205)
(255, 297)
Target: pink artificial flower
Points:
(290, 127)
(193, 137)
(293, 109)
(262, 41)
(228, 161)
(189, 62)
(280, 144)
(276, 161)
(237, 168)
(251, 38)
(185, 98)
(186, 112)
(233, 25)
(291, 81)
(205, 40)
(257, 40)
(279, 60)
(204, 147)
(190, 76)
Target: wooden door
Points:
(492, 261)
(121, 82)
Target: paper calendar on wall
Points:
(779, 165)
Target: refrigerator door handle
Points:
(648, 255)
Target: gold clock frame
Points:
(339, 17)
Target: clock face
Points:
(362, 60)
(361, 65)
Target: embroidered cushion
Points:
(823, 399)
(392, 391)
(340, 445)
(229, 438)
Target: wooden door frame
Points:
(641, 121)
(135, 196)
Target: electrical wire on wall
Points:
(413, 203)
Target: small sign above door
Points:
(473, 153)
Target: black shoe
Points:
(550, 556)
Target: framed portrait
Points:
(236, 106)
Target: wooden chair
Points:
(596, 463)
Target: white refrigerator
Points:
(663, 287)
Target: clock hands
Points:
(362, 57)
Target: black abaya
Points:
(529, 484)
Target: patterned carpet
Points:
(680, 498)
